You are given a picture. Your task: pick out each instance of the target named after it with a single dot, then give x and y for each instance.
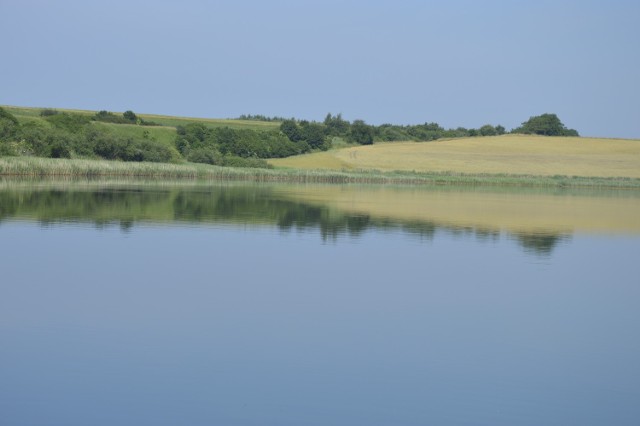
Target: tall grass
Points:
(49, 167)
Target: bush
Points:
(60, 149)
(109, 117)
(34, 137)
(130, 116)
(73, 123)
(205, 155)
(47, 112)
(9, 125)
(109, 147)
(389, 133)
(115, 148)
(7, 149)
(153, 151)
(233, 161)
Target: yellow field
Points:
(508, 154)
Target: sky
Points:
(457, 63)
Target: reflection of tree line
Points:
(127, 206)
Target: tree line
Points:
(224, 146)
(359, 132)
(73, 135)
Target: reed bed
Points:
(47, 167)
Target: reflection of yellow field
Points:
(510, 154)
(509, 211)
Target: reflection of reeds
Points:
(47, 167)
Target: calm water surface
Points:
(163, 304)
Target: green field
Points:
(29, 113)
(508, 154)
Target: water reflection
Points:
(425, 311)
(302, 208)
(542, 244)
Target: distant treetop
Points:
(546, 125)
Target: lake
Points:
(164, 303)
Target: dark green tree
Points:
(130, 116)
(336, 125)
(314, 135)
(546, 125)
(291, 130)
(361, 133)
(488, 130)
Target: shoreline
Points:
(35, 167)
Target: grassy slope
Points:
(165, 134)
(508, 154)
(164, 120)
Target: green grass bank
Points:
(76, 168)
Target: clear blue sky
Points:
(459, 63)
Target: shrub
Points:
(7, 149)
(34, 136)
(152, 151)
(234, 161)
(389, 132)
(109, 117)
(47, 112)
(130, 116)
(110, 147)
(205, 155)
(60, 149)
(9, 125)
(73, 123)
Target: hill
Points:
(81, 134)
(90, 135)
(507, 154)
(32, 113)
